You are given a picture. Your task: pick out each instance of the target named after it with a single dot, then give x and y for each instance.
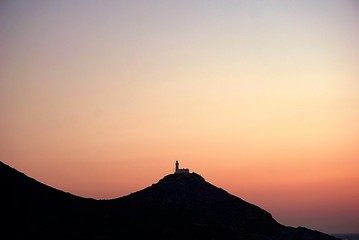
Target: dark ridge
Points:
(179, 206)
(36, 211)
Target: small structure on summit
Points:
(180, 170)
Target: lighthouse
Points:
(180, 170)
(177, 166)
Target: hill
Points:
(179, 206)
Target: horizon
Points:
(173, 173)
(168, 174)
(261, 98)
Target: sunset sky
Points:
(261, 98)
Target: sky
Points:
(261, 98)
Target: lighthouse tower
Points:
(177, 166)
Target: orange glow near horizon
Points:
(100, 99)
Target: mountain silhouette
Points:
(179, 206)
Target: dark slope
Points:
(36, 211)
(185, 206)
(180, 206)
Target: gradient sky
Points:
(99, 98)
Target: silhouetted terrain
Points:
(180, 206)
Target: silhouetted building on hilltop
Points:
(180, 170)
